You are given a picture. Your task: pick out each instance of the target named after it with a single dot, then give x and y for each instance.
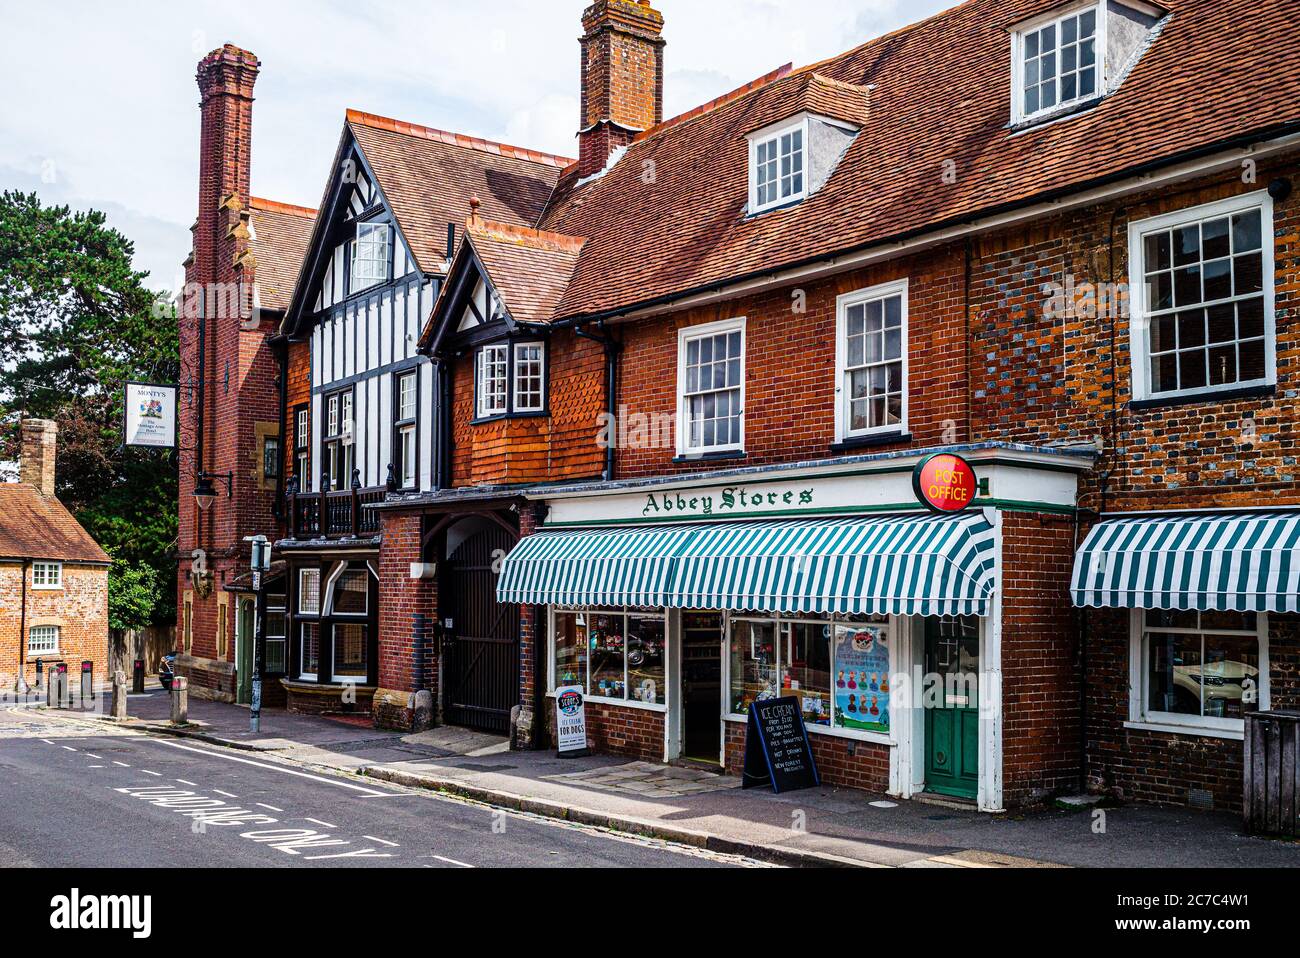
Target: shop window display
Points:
(613, 655)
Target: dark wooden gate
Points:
(480, 675)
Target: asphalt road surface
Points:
(73, 796)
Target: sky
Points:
(101, 107)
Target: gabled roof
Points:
(34, 527)
(527, 269)
(280, 236)
(428, 177)
(1216, 74)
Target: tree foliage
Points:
(77, 322)
(132, 595)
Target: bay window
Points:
(510, 380)
(615, 655)
(1202, 299)
(492, 381)
(529, 395)
(276, 635)
(350, 626)
(871, 361)
(711, 388)
(1202, 671)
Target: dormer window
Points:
(372, 253)
(1075, 54)
(777, 171)
(792, 160)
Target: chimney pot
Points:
(39, 445)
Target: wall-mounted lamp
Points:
(205, 493)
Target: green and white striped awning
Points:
(901, 565)
(1207, 563)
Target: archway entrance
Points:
(480, 652)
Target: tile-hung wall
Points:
(362, 343)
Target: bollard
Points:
(87, 685)
(50, 700)
(40, 675)
(180, 700)
(137, 677)
(65, 686)
(119, 696)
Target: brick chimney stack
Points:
(622, 77)
(39, 444)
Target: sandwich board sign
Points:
(777, 751)
(150, 416)
(571, 721)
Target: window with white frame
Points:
(617, 655)
(1058, 61)
(1202, 299)
(529, 391)
(371, 255)
(1204, 670)
(777, 172)
(405, 430)
(43, 639)
(309, 649)
(309, 591)
(838, 668)
(492, 381)
(871, 355)
(711, 388)
(276, 635)
(302, 447)
(47, 575)
(339, 440)
(349, 625)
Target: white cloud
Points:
(103, 95)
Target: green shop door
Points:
(952, 736)
(244, 652)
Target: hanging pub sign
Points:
(944, 483)
(571, 721)
(150, 416)
(777, 751)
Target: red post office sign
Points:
(944, 483)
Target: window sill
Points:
(871, 441)
(1266, 390)
(873, 738)
(722, 456)
(1174, 728)
(1025, 124)
(502, 417)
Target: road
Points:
(75, 796)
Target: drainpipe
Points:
(612, 349)
(20, 685)
(199, 467)
(282, 359)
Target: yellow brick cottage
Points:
(53, 575)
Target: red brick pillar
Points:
(529, 730)
(408, 654)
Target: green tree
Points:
(132, 596)
(77, 322)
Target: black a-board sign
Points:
(777, 752)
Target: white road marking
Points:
(227, 794)
(68, 747)
(154, 774)
(47, 741)
(271, 807)
(95, 757)
(184, 782)
(366, 792)
(451, 861)
(95, 766)
(372, 838)
(317, 821)
(123, 764)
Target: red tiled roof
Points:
(530, 269)
(34, 527)
(428, 177)
(1218, 72)
(281, 233)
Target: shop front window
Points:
(1202, 668)
(618, 656)
(838, 670)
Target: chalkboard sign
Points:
(777, 752)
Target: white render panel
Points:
(426, 417)
(314, 480)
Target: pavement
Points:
(691, 807)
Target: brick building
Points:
(647, 423)
(53, 576)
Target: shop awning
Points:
(1207, 563)
(903, 565)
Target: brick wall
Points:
(616, 730)
(79, 610)
(408, 654)
(840, 761)
(622, 76)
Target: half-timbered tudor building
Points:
(669, 397)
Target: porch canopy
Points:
(1206, 563)
(901, 565)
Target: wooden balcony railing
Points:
(334, 515)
